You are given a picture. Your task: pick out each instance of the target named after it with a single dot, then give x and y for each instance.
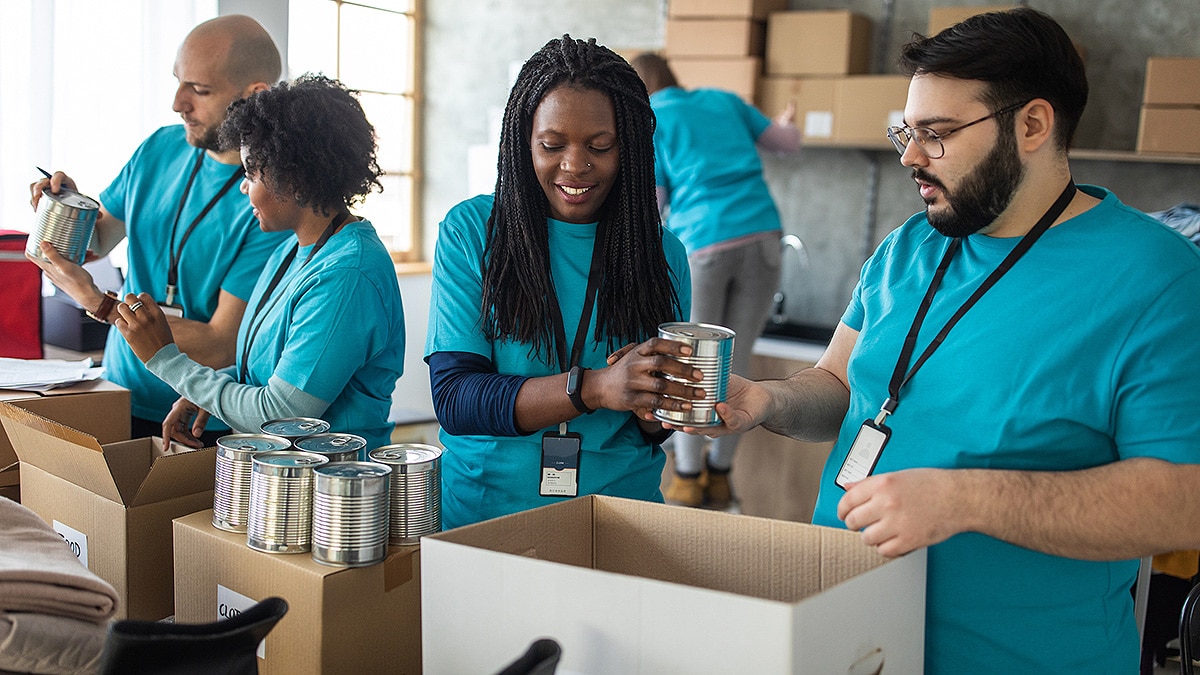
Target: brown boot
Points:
(684, 491)
(717, 494)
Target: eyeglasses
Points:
(929, 142)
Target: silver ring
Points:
(135, 306)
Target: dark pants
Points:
(142, 428)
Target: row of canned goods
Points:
(312, 494)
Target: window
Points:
(372, 46)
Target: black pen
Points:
(45, 173)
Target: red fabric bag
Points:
(20, 299)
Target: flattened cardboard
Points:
(339, 620)
(630, 586)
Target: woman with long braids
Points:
(547, 296)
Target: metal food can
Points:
(415, 489)
(67, 220)
(350, 523)
(337, 447)
(712, 353)
(292, 428)
(231, 487)
(281, 495)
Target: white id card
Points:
(864, 453)
(560, 464)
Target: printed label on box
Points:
(818, 124)
(75, 539)
(230, 604)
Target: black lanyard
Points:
(252, 330)
(177, 251)
(899, 376)
(585, 318)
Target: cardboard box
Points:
(113, 503)
(65, 325)
(834, 42)
(339, 620)
(1169, 130)
(941, 18)
(865, 106)
(1172, 82)
(739, 75)
(813, 96)
(708, 38)
(637, 587)
(724, 9)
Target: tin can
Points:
(350, 523)
(231, 487)
(337, 447)
(292, 428)
(415, 489)
(281, 494)
(712, 353)
(67, 220)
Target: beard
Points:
(209, 139)
(983, 195)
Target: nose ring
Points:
(589, 165)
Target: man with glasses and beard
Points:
(194, 243)
(1014, 383)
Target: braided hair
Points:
(635, 291)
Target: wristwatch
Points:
(106, 305)
(575, 389)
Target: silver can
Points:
(350, 523)
(337, 447)
(416, 489)
(67, 220)
(231, 487)
(292, 428)
(712, 353)
(281, 494)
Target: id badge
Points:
(171, 310)
(864, 453)
(560, 464)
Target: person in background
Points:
(324, 334)
(710, 182)
(1013, 384)
(193, 242)
(544, 297)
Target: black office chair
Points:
(540, 659)
(1189, 631)
(226, 647)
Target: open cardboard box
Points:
(636, 587)
(113, 503)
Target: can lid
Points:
(406, 453)
(68, 197)
(290, 458)
(253, 442)
(291, 427)
(333, 442)
(353, 469)
(694, 331)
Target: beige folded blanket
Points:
(52, 645)
(39, 574)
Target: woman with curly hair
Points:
(323, 334)
(547, 296)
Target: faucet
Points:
(792, 242)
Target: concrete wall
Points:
(823, 194)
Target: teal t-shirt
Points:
(1083, 354)
(333, 328)
(705, 157)
(488, 476)
(225, 251)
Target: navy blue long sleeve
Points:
(470, 397)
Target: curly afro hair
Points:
(309, 140)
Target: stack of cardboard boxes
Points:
(718, 43)
(1170, 119)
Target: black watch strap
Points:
(575, 389)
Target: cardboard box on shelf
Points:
(941, 18)
(637, 587)
(724, 9)
(865, 106)
(1169, 131)
(1172, 81)
(738, 75)
(113, 503)
(709, 38)
(339, 620)
(814, 103)
(832, 42)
